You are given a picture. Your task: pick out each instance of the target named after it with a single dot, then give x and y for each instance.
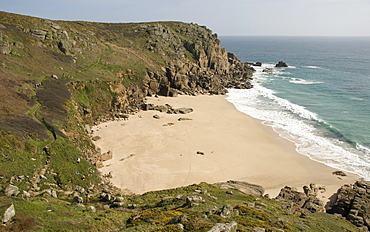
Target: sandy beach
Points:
(218, 144)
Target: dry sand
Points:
(149, 154)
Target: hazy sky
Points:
(224, 17)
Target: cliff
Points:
(58, 76)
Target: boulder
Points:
(11, 190)
(353, 203)
(300, 202)
(281, 64)
(250, 189)
(91, 209)
(177, 219)
(183, 110)
(193, 199)
(4, 48)
(77, 200)
(339, 173)
(106, 156)
(224, 227)
(7, 212)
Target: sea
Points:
(320, 102)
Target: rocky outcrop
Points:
(353, 203)
(7, 212)
(281, 64)
(301, 202)
(251, 189)
(224, 227)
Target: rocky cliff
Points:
(58, 78)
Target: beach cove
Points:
(218, 144)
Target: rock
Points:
(7, 212)
(227, 211)
(259, 229)
(183, 110)
(96, 138)
(4, 48)
(39, 34)
(339, 173)
(156, 116)
(281, 64)
(25, 194)
(224, 227)
(200, 153)
(11, 190)
(268, 70)
(177, 219)
(106, 156)
(88, 128)
(18, 45)
(353, 203)
(91, 209)
(299, 202)
(77, 200)
(184, 119)
(194, 199)
(250, 189)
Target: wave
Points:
(312, 66)
(313, 136)
(304, 82)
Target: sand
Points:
(149, 154)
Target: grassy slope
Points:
(154, 210)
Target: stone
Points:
(227, 211)
(6, 213)
(106, 156)
(224, 227)
(183, 110)
(25, 194)
(91, 209)
(96, 138)
(353, 203)
(4, 48)
(156, 116)
(77, 200)
(281, 64)
(194, 199)
(247, 188)
(184, 119)
(299, 202)
(11, 190)
(259, 229)
(177, 219)
(339, 173)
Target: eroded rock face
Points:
(301, 202)
(353, 203)
(251, 189)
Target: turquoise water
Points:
(321, 102)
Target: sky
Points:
(224, 17)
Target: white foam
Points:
(312, 66)
(304, 82)
(295, 123)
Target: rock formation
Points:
(301, 202)
(353, 203)
(281, 64)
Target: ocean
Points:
(320, 102)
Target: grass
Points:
(153, 211)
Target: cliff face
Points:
(58, 76)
